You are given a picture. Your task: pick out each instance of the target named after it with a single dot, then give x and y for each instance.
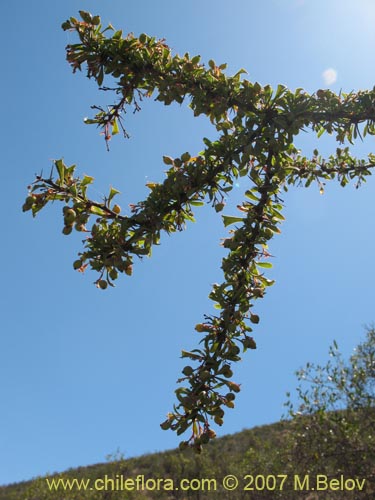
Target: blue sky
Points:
(85, 372)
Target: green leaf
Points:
(166, 425)
(254, 318)
(66, 25)
(189, 354)
(89, 121)
(249, 194)
(86, 16)
(228, 220)
(115, 128)
(239, 73)
(277, 214)
(100, 76)
(87, 180)
(117, 35)
(152, 185)
(266, 265)
(60, 167)
(320, 132)
(168, 160)
(112, 193)
(219, 207)
(250, 343)
(279, 91)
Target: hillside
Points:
(255, 457)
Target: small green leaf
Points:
(87, 180)
(66, 25)
(115, 128)
(189, 354)
(89, 121)
(152, 185)
(320, 132)
(228, 220)
(277, 214)
(254, 318)
(219, 207)
(279, 91)
(96, 210)
(233, 386)
(117, 35)
(166, 425)
(249, 194)
(168, 160)
(77, 264)
(100, 76)
(249, 343)
(112, 193)
(240, 72)
(60, 167)
(266, 265)
(86, 16)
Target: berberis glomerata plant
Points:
(256, 127)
